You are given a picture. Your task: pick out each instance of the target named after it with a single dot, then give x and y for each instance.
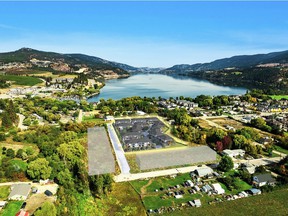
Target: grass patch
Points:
(128, 202)
(131, 159)
(12, 208)
(22, 80)
(20, 164)
(279, 97)
(4, 192)
(137, 185)
(273, 203)
(93, 119)
(280, 149)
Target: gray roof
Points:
(265, 177)
(20, 190)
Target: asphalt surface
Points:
(121, 159)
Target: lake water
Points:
(155, 85)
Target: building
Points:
(201, 172)
(218, 189)
(207, 188)
(255, 191)
(249, 168)
(263, 179)
(197, 203)
(19, 191)
(234, 152)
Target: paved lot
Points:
(131, 177)
(120, 156)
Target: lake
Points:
(155, 85)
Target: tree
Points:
(10, 153)
(6, 121)
(226, 163)
(39, 169)
(239, 141)
(47, 209)
(19, 153)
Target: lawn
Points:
(22, 80)
(279, 97)
(12, 208)
(131, 159)
(154, 202)
(273, 203)
(4, 192)
(280, 149)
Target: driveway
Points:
(120, 156)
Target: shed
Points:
(2, 203)
(19, 191)
(255, 191)
(201, 172)
(197, 202)
(218, 189)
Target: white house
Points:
(218, 189)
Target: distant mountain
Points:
(242, 61)
(27, 58)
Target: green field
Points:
(279, 97)
(12, 208)
(4, 192)
(273, 203)
(22, 80)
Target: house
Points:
(131, 135)
(218, 189)
(22, 213)
(19, 191)
(206, 171)
(255, 191)
(234, 152)
(138, 143)
(263, 179)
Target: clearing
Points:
(22, 80)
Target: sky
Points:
(146, 34)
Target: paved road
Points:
(120, 156)
(11, 183)
(80, 116)
(136, 176)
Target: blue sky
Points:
(155, 34)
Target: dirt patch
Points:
(143, 189)
(227, 121)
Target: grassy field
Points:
(280, 149)
(22, 80)
(4, 192)
(128, 201)
(93, 119)
(279, 97)
(273, 203)
(12, 208)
